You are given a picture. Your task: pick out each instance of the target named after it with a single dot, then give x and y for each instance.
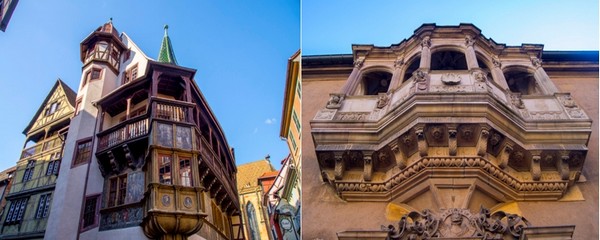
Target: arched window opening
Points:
(485, 67)
(376, 82)
(448, 60)
(414, 65)
(252, 221)
(521, 82)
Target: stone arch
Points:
(374, 80)
(521, 79)
(411, 65)
(448, 57)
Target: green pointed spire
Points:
(166, 53)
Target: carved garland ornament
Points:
(457, 223)
(452, 162)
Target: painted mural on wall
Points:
(135, 187)
(184, 138)
(122, 218)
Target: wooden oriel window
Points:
(185, 172)
(112, 191)
(164, 170)
(29, 171)
(83, 152)
(89, 218)
(122, 189)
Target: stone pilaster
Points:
(452, 142)
(396, 76)
(542, 79)
(470, 53)
(497, 73)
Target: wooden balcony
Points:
(172, 110)
(210, 159)
(43, 146)
(122, 132)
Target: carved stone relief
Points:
(325, 114)
(352, 116)
(382, 100)
(335, 100)
(451, 79)
(426, 42)
(457, 223)
(496, 61)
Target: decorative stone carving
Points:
(368, 165)
(569, 102)
(536, 170)
(325, 114)
(421, 80)
(335, 100)
(536, 62)
(495, 139)
(338, 171)
(437, 133)
(562, 165)
(399, 62)
(482, 144)
(358, 63)
(457, 223)
(466, 132)
(504, 156)
(398, 154)
(426, 42)
(451, 79)
(382, 100)
(479, 75)
(352, 116)
(452, 142)
(469, 41)
(515, 100)
(496, 61)
(422, 144)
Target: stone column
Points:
(497, 73)
(396, 77)
(353, 80)
(541, 78)
(470, 53)
(425, 53)
(368, 168)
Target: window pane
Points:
(84, 152)
(164, 171)
(165, 135)
(184, 137)
(185, 172)
(89, 212)
(122, 189)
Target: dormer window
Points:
(376, 82)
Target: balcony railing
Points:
(42, 146)
(171, 110)
(122, 133)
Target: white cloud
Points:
(270, 121)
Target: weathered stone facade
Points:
(448, 119)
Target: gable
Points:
(58, 104)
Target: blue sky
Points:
(330, 27)
(239, 48)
